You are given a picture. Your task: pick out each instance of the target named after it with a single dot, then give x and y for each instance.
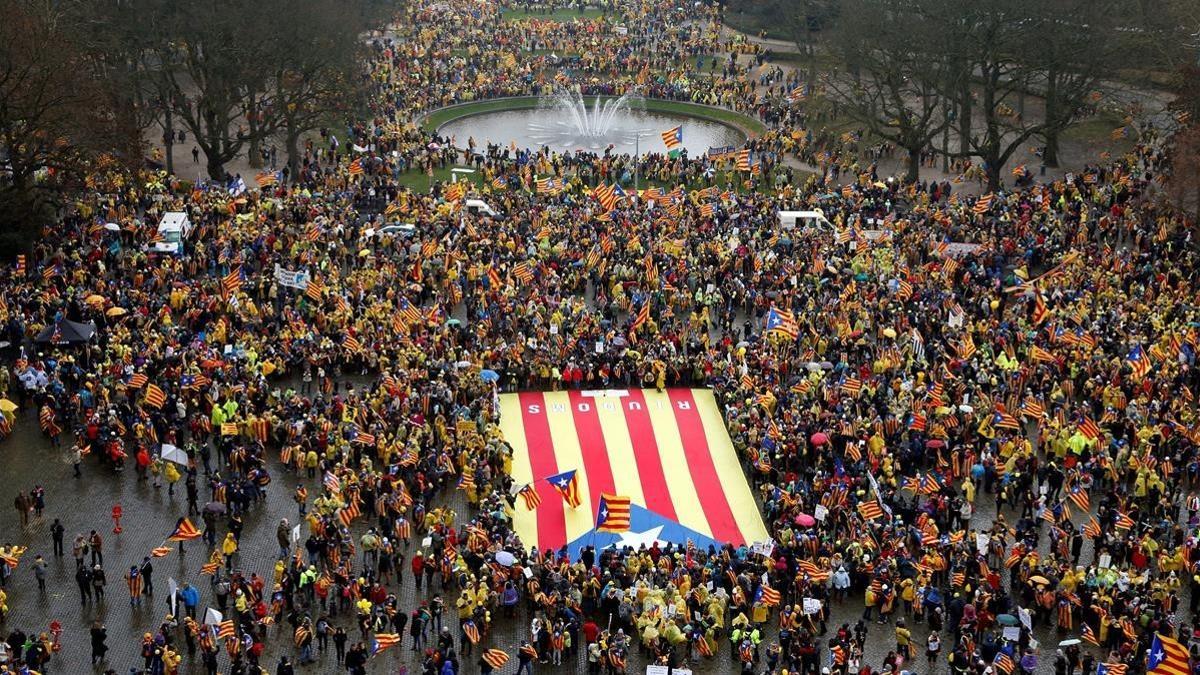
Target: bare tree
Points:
(1073, 45)
(894, 76)
(1183, 178)
(318, 57)
(55, 117)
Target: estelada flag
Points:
(155, 397)
(613, 515)
(1167, 657)
(184, 531)
(496, 658)
(667, 451)
(567, 485)
(673, 137)
(231, 283)
(384, 640)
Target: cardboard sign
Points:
(811, 605)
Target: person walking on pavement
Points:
(83, 577)
(38, 497)
(39, 571)
(283, 535)
(79, 549)
(134, 581)
(339, 644)
(99, 581)
(95, 543)
(56, 534)
(23, 505)
(147, 576)
(77, 459)
(99, 635)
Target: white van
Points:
(480, 207)
(805, 220)
(173, 230)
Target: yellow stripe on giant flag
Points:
(668, 451)
(626, 480)
(569, 455)
(737, 491)
(514, 432)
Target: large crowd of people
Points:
(874, 371)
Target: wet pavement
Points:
(150, 514)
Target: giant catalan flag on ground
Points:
(667, 451)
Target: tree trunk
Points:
(946, 141)
(169, 141)
(914, 165)
(293, 151)
(964, 121)
(216, 168)
(1050, 154)
(993, 176)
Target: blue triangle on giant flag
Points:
(645, 526)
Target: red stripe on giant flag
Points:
(591, 444)
(648, 456)
(551, 515)
(703, 470)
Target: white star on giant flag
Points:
(636, 539)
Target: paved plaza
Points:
(85, 504)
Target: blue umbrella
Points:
(489, 376)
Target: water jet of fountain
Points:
(594, 123)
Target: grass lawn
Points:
(418, 182)
(1095, 134)
(439, 117)
(562, 14)
(756, 25)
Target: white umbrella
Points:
(174, 454)
(505, 558)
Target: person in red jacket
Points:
(590, 631)
(418, 566)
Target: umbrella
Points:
(172, 453)
(116, 311)
(1039, 579)
(1068, 643)
(935, 443)
(825, 365)
(453, 322)
(505, 558)
(805, 520)
(812, 366)
(889, 332)
(7, 405)
(489, 375)
(112, 227)
(214, 507)
(94, 299)
(819, 438)
(1006, 620)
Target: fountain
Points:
(596, 123)
(564, 121)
